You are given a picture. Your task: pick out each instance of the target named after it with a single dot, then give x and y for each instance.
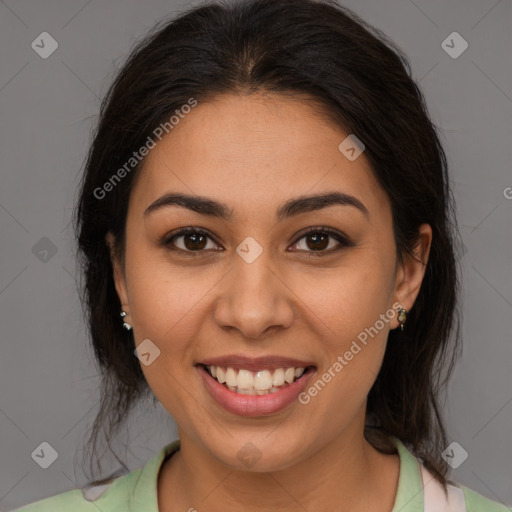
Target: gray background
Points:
(47, 109)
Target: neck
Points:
(348, 473)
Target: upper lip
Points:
(255, 363)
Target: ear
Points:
(411, 271)
(119, 280)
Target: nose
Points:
(254, 298)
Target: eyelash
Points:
(343, 240)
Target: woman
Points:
(265, 223)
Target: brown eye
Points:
(319, 240)
(193, 240)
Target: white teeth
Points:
(246, 391)
(289, 375)
(245, 379)
(278, 378)
(231, 379)
(221, 374)
(261, 382)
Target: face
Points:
(316, 284)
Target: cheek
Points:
(360, 317)
(347, 300)
(352, 332)
(162, 298)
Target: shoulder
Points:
(109, 497)
(475, 502)
(135, 491)
(70, 500)
(418, 489)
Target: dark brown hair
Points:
(363, 82)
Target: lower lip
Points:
(253, 405)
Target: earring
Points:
(126, 325)
(402, 317)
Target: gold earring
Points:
(402, 317)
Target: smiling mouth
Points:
(263, 382)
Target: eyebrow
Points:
(295, 206)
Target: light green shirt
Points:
(137, 491)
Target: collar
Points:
(409, 496)
(144, 492)
(409, 493)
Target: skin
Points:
(253, 153)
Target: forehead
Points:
(252, 152)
